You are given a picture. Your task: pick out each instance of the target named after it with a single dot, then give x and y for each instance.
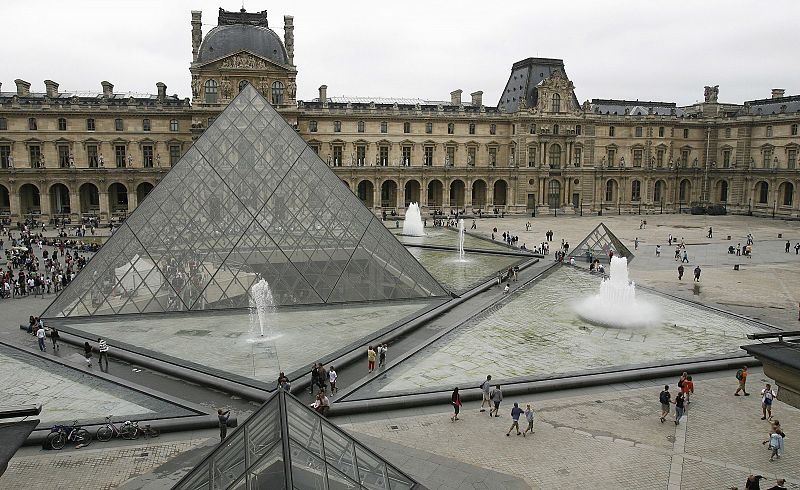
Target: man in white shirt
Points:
(41, 336)
(767, 397)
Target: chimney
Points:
(197, 33)
(162, 91)
(108, 89)
(52, 88)
(323, 94)
(477, 98)
(288, 37)
(778, 93)
(455, 97)
(23, 88)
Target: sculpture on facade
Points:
(10, 161)
(130, 160)
(226, 88)
(291, 90)
(101, 161)
(244, 61)
(711, 94)
(71, 160)
(196, 85)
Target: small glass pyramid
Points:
(598, 244)
(249, 200)
(286, 445)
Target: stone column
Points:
(423, 193)
(133, 198)
(468, 194)
(13, 197)
(376, 194)
(105, 205)
(44, 201)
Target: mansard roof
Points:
(525, 76)
(635, 107)
(775, 105)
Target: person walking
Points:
(636, 244)
(710, 233)
(775, 444)
(697, 274)
(223, 417)
(687, 388)
(665, 398)
(455, 401)
(41, 336)
(497, 397)
(87, 353)
(788, 245)
(680, 272)
(797, 248)
(767, 397)
(685, 258)
(382, 349)
(677, 253)
(102, 346)
(679, 407)
(322, 378)
(371, 355)
(314, 378)
(658, 250)
(515, 413)
(486, 388)
(332, 377)
(529, 415)
(54, 336)
(741, 375)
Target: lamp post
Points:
(602, 185)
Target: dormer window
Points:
(556, 103)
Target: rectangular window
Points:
(337, 156)
(577, 157)
(361, 155)
(62, 124)
(769, 131)
(638, 131)
(361, 127)
(451, 128)
(91, 155)
(406, 127)
(727, 132)
(383, 155)
(493, 129)
(471, 128)
(610, 155)
(119, 155)
(791, 160)
(726, 159)
(147, 156)
(471, 155)
(145, 124)
(407, 156)
(5, 154)
(32, 125)
(173, 124)
(768, 158)
(428, 156)
(513, 129)
(35, 154)
(531, 156)
(611, 131)
(685, 132)
(451, 156)
(90, 124)
(661, 131)
(637, 157)
(384, 127)
(174, 154)
(315, 149)
(578, 130)
(428, 128)
(684, 158)
(660, 158)
(532, 129)
(793, 130)
(3, 124)
(492, 157)
(63, 156)
(337, 126)
(118, 124)
(312, 126)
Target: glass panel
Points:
(228, 462)
(263, 429)
(308, 471)
(199, 479)
(398, 481)
(304, 426)
(371, 470)
(337, 481)
(268, 473)
(339, 452)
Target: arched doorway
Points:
(412, 192)
(435, 190)
(685, 191)
(59, 200)
(29, 199)
(142, 191)
(786, 191)
(89, 199)
(118, 198)
(660, 191)
(555, 156)
(5, 201)
(478, 194)
(554, 194)
(762, 193)
(500, 191)
(612, 189)
(722, 191)
(366, 192)
(457, 194)
(389, 194)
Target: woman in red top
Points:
(687, 388)
(455, 400)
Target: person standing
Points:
(776, 444)
(780, 484)
(665, 397)
(687, 388)
(529, 415)
(697, 274)
(54, 336)
(788, 245)
(371, 355)
(322, 378)
(685, 258)
(102, 346)
(680, 272)
(515, 413)
(741, 375)
(497, 397)
(797, 248)
(486, 388)
(87, 353)
(223, 423)
(455, 401)
(382, 349)
(314, 378)
(636, 244)
(738, 249)
(41, 336)
(767, 397)
(679, 407)
(332, 377)
(658, 250)
(710, 233)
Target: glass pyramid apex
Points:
(249, 200)
(286, 445)
(598, 244)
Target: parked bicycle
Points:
(61, 434)
(126, 431)
(145, 430)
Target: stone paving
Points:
(610, 438)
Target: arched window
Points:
(659, 191)
(788, 193)
(277, 93)
(556, 103)
(763, 192)
(210, 90)
(723, 191)
(242, 85)
(684, 191)
(555, 156)
(555, 128)
(611, 188)
(636, 191)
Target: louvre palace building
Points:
(80, 155)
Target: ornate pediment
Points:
(245, 60)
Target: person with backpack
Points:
(665, 397)
(741, 375)
(486, 388)
(767, 397)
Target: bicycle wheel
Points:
(82, 436)
(105, 433)
(129, 432)
(57, 440)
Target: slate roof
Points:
(635, 107)
(773, 106)
(525, 76)
(225, 40)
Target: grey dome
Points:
(229, 39)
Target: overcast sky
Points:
(647, 50)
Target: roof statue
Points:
(249, 200)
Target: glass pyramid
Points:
(249, 200)
(597, 244)
(287, 446)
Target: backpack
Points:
(664, 397)
(739, 375)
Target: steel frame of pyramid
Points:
(286, 445)
(601, 239)
(249, 199)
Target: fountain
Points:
(412, 224)
(260, 304)
(461, 240)
(616, 304)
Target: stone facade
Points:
(538, 150)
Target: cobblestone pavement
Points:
(94, 467)
(611, 439)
